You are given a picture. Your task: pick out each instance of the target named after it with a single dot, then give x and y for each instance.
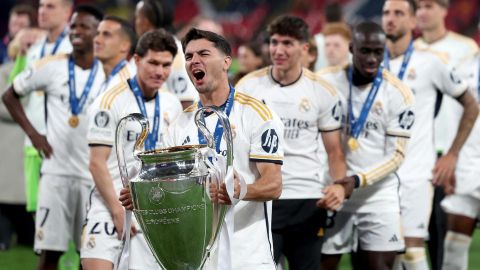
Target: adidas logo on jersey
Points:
(393, 239)
(186, 141)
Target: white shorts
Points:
(99, 240)
(462, 205)
(415, 207)
(61, 211)
(365, 231)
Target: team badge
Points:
(166, 118)
(156, 195)
(406, 119)
(91, 242)
(39, 235)
(270, 141)
(377, 108)
(234, 132)
(304, 105)
(101, 119)
(412, 75)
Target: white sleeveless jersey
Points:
(307, 106)
(425, 74)
(70, 149)
(457, 49)
(256, 138)
(382, 141)
(35, 108)
(116, 103)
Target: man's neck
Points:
(286, 77)
(216, 97)
(148, 93)
(110, 64)
(398, 47)
(83, 59)
(434, 35)
(53, 34)
(358, 79)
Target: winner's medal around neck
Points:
(73, 121)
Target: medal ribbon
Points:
(407, 55)
(77, 105)
(218, 128)
(152, 137)
(115, 70)
(55, 46)
(356, 125)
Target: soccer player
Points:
(153, 56)
(457, 48)
(53, 16)
(114, 43)
(337, 39)
(257, 144)
(378, 115)
(153, 14)
(463, 206)
(425, 73)
(306, 105)
(70, 81)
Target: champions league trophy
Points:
(174, 193)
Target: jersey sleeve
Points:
(330, 114)
(266, 143)
(102, 124)
(448, 80)
(33, 78)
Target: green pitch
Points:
(23, 257)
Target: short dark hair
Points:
(413, 5)
(127, 29)
(157, 40)
(218, 41)
(89, 9)
(333, 13)
(366, 27)
(23, 9)
(159, 13)
(291, 26)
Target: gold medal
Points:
(353, 144)
(73, 121)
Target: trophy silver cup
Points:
(174, 193)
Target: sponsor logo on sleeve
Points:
(179, 85)
(101, 119)
(406, 119)
(270, 141)
(337, 111)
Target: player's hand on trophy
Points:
(220, 195)
(126, 198)
(118, 216)
(334, 195)
(444, 172)
(41, 144)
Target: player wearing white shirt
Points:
(456, 48)
(154, 57)
(425, 74)
(306, 105)
(53, 17)
(378, 118)
(71, 83)
(463, 206)
(257, 147)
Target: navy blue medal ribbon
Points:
(55, 46)
(152, 137)
(217, 135)
(77, 104)
(406, 59)
(356, 125)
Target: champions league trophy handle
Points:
(138, 147)
(227, 131)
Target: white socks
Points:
(413, 259)
(456, 251)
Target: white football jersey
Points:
(114, 104)
(35, 108)
(70, 149)
(307, 106)
(178, 82)
(469, 158)
(382, 141)
(425, 74)
(256, 138)
(457, 49)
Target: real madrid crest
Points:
(304, 105)
(377, 108)
(234, 132)
(91, 242)
(39, 234)
(411, 74)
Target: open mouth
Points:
(198, 74)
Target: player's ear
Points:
(227, 62)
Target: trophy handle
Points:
(119, 142)
(227, 131)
